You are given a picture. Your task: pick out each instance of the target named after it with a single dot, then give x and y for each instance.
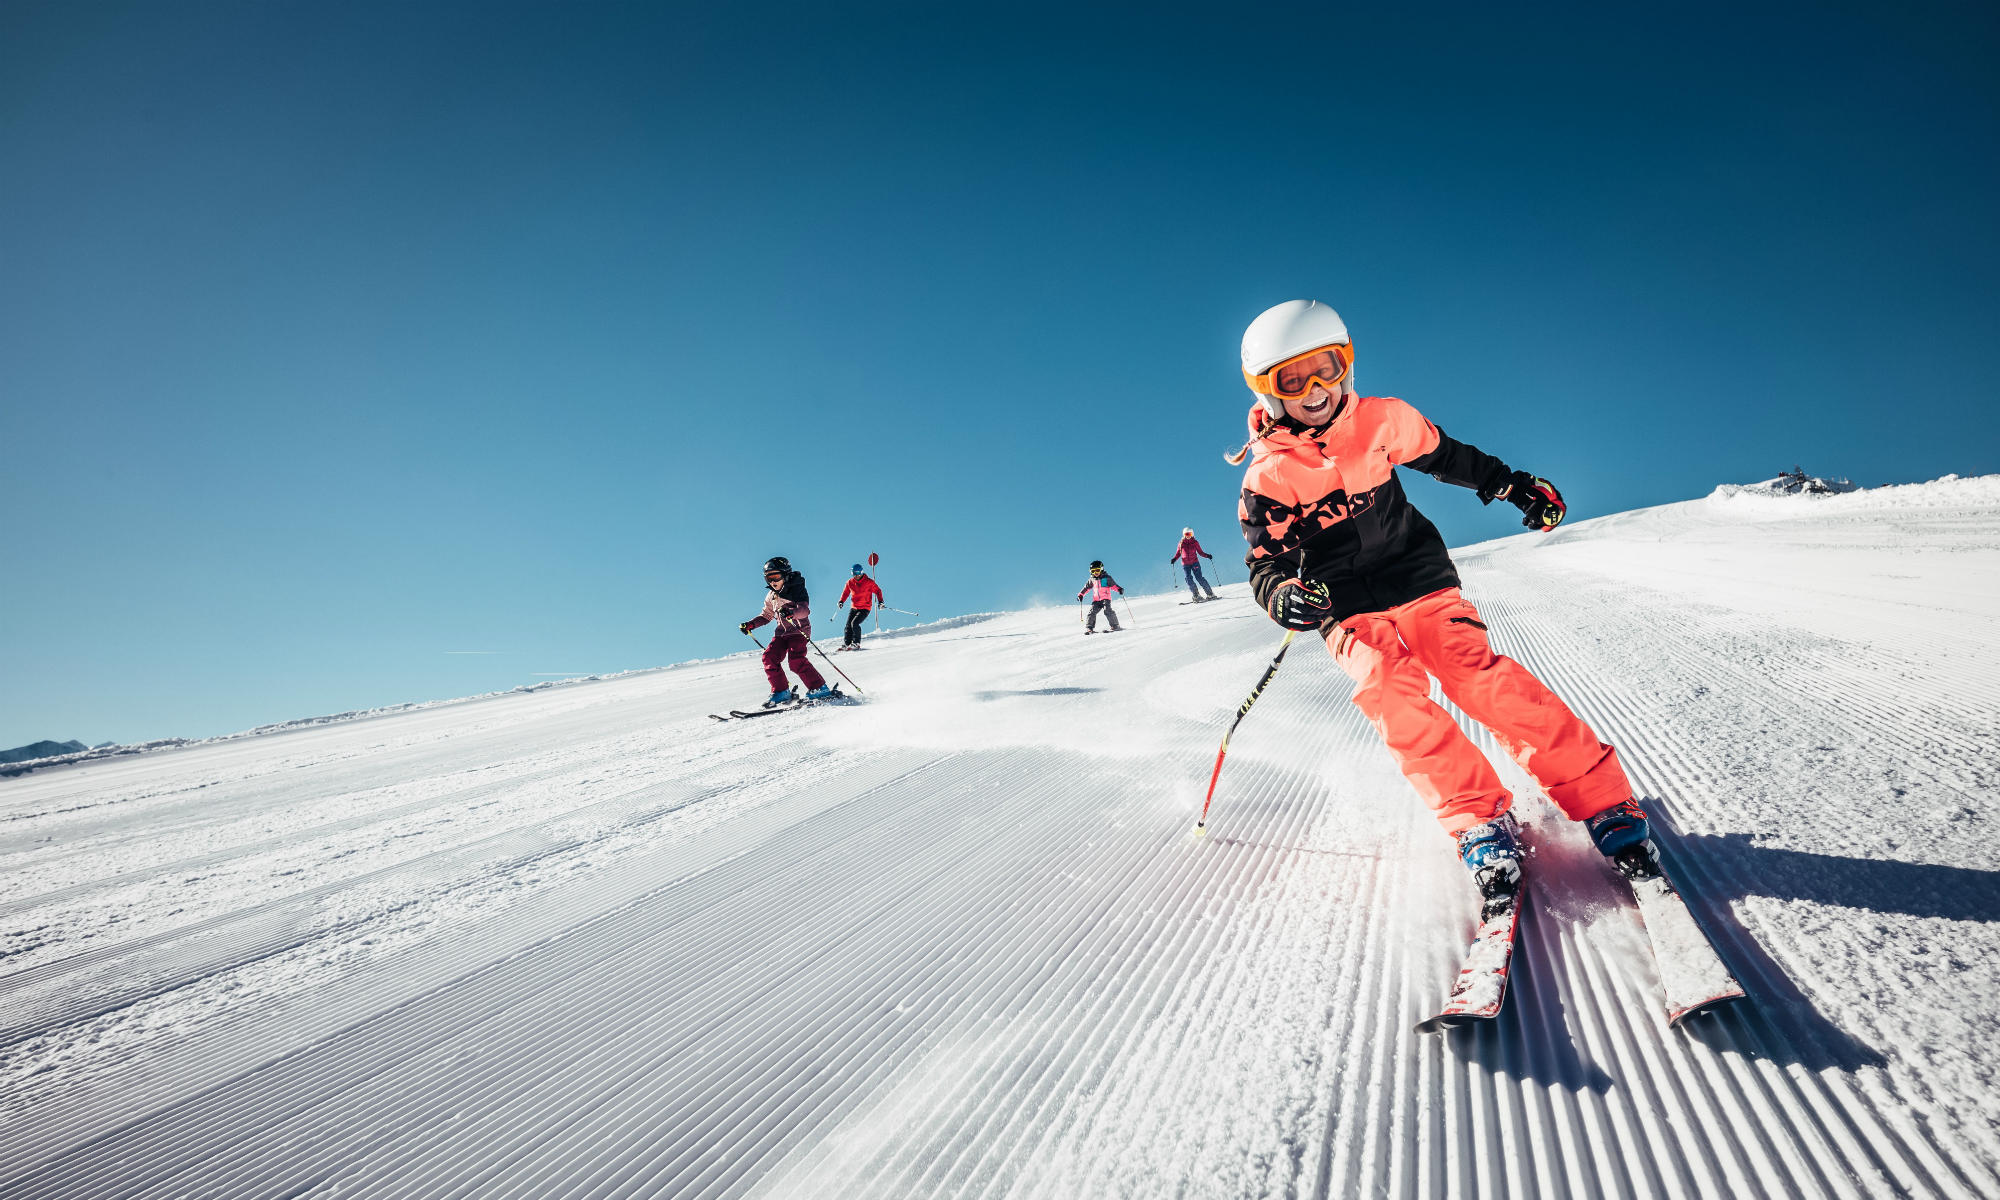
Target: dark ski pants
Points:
(792, 647)
(855, 616)
(1103, 606)
(1194, 576)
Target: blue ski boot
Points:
(1493, 855)
(821, 692)
(1622, 835)
(779, 697)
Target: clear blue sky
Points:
(338, 337)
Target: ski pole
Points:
(906, 612)
(1201, 825)
(829, 662)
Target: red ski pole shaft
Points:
(1243, 709)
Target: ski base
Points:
(1692, 975)
(1481, 987)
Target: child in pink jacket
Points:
(1101, 587)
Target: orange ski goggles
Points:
(1294, 377)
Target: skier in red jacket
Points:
(1189, 555)
(866, 594)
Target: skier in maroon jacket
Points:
(1189, 555)
(787, 606)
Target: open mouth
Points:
(1318, 405)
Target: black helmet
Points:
(780, 564)
(1096, 565)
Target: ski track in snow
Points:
(957, 940)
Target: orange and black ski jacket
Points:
(1327, 506)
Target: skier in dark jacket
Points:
(1189, 555)
(788, 607)
(1335, 547)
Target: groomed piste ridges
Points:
(958, 941)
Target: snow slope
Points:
(958, 942)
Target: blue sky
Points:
(340, 338)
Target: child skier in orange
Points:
(1335, 546)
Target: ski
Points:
(1692, 975)
(1481, 987)
(737, 714)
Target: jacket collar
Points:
(1287, 437)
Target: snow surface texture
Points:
(959, 942)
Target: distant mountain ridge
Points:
(40, 750)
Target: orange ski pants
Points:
(1391, 656)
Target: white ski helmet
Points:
(1285, 331)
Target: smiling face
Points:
(1315, 408)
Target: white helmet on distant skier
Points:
(1286, 331)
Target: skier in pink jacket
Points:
(1189, 555)
(1101, 587)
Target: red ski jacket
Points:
(863, 591)
(1186, 551)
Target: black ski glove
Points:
(1540, 503)
(743, 628)
(1300, 605)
